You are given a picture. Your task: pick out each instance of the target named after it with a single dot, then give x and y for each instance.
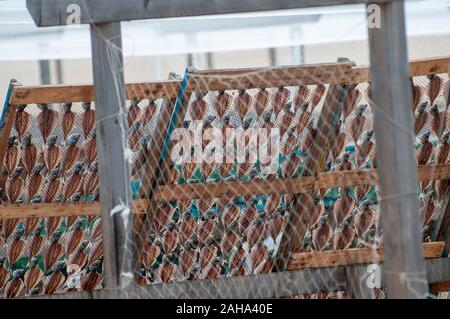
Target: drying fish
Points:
(256, 233)
(170, 239)
(133, 112)
(188, 258)
(35, 180)
(163, 216)
(317, 95)
(16, 247)
(247, 218)
(75, 237)
(53, 186)
(14, 185)
(90, 148)
(364, 148)
(420, 119)
(304, 119)
(15, 286)
(259, 256)
(11, 155)
(52, 154)
(28, 153)
(21, 121)
(434, 87)
(286, 119)
(30, 224)
(343, 206)
(425, 150)
(91, 281)
(71, 152)
(68, 119)
(438, 121)
(300, 99)
(167, 272)
(338, 145)
(207, 228)
(361, 191)
(147, 112)
(46, 120)
(34, 248)
(242, 103)
(73, 182)
(54, 282)
(151, 253)
(53, 252)
(353, 98)
(87, 119)
(33, 276)
(364, 220)
(261, 101)
(321, 236)
(221, 103)
(198, 108)
(280, 99)
(443, 150)
(90, 181)
(417, 95)
(308, 138)
(187, 227)
(358, 123)
(134, 136)
(207, 255)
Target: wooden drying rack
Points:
(342, 74)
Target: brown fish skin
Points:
(11, 155)
(242, 103)
(319, 92)
(90, 149)
(420, 119)
(52, 188)
(417, 95)
(68, 119)
(207, 255)
(29, 154)
(358, 123)
(322, 235)
(290, 166)
(353, 99)
(46, 120)
(170, 240)
(96, 252)
(425, 151)
(91, 281)
(21, 120)
(52, 254)
(15, 249)
(150, 255)
(133, 112)
(87, 119)
(73, 182)
(198, 108)
(14, 288)
(54, 282)
(364, 220)
(71, 153)
(261, 101)
(364, 148)
(14, 185)
(134, 136)
(33, 276)
(187, 260)
(434, 87)
(75, 238)
(221, 103)
(34, 181)
(443, 150)
(147, 112)
(167, 272)
(300, 99)
(259, 255)
(280, 99)
(91, 180)
(309, 137)
(52, 155)
(438, 121)
(338, 145)
(256, 233)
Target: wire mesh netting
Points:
(241, 177)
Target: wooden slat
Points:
(233, 189)
(273, 285)
(85, 93)
(335, 258)
(440, 287)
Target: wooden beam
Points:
(107, 61)
(298, 215)
(393, 118)
(323, 180)
(440, 287)
(170, 88)
(333, 258)
(85, 93)
(357, 287)
(273, 285)
(55, 12)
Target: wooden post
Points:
(357, 287)
(111, 128)
(391, 94)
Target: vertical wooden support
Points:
(391, 94)
(357, 287)
(111, 128)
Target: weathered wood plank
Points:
(357, 283)
(280, 284)
(333, 258)
(391, 93)
(114, 173)
(54, 12)
(85, 93)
